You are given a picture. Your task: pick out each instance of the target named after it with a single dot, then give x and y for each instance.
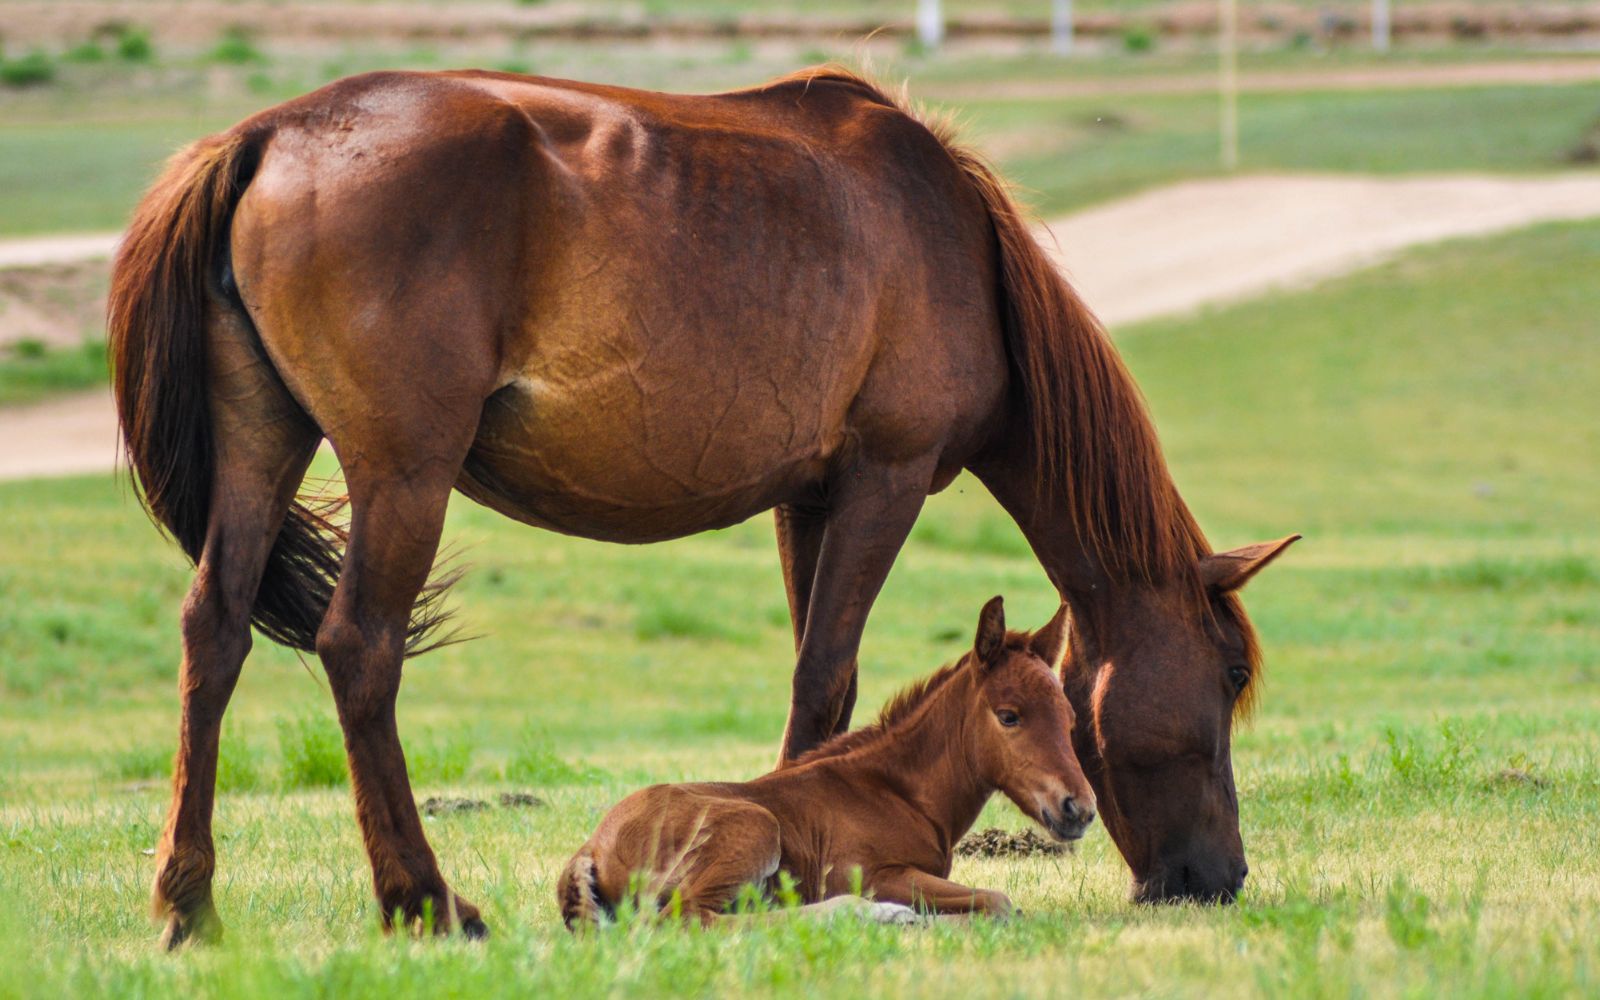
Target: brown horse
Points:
(634, 316)
(878, 810)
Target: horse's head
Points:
(1158, 673)
(1023, 723)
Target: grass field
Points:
(31, 371)
(1419, 792)
(75, 155)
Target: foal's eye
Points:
(1008, 718)
(1240, 676)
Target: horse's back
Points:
(673, 311)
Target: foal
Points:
(889, 801)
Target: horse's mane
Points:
(1096, 448)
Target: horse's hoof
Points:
(198, 928)
(474, 929)
(893, 914)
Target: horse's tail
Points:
(169, 270)
(1094, 443)
(578, 892)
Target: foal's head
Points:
(1023, 723)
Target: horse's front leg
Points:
(800, 530)
(870, 511)
(394, 534)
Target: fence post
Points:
(1061, 27)
(930, 23)
(1228, 82)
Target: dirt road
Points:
(1166, 251)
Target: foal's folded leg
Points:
(869, 910)
(913, 887)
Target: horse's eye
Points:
(1008, 718)
(1240, 676)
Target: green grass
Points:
(1070, 153)
(1419, 791)
(30, 372)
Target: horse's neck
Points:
(933, 761)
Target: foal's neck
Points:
(932, 759)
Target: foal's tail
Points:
(168, 272)
(578, 892)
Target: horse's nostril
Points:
(1074, 812)
(1244, 872)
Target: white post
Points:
(1380, 25)
(1061, 27)
(930, 23)
(1228, 83)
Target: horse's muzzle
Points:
(1188, 884)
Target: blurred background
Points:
(1079, 102)
(1352, 257)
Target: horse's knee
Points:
(216, 639)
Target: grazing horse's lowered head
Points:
(1159, 674)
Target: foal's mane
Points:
(895, 711)
(1095, 448)
(899, 710)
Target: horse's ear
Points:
(991, 630)
(1225, 571)
(1050, 643)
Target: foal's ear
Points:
(1230, 570)
(1050, 643)
(991, 630)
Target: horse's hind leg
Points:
(262, 444)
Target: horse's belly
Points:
(604, 464)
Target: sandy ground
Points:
(1160, 253)
(1176, 248)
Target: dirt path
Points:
(1202, 242)
(1167, 251)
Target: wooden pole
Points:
(1228, 83)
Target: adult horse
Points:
(635, 316)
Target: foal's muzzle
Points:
(1069, 819)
